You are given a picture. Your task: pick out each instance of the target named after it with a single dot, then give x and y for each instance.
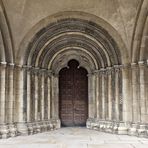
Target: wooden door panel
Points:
(73, 95)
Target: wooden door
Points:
(73, 95)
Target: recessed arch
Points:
(40, 28)
(62, 58)
(91, 41)
(108, 46)
(74, 39)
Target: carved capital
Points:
(3, 64)
(19, 67)
(35, 70)
(117, 69)
(125, 67)
(42, 71)
(109, 70)
(49, 73)
(90, 74)
(134, 65)
(11, 64)
(96, 72)
(102, 71)
(142, 64)
(27, 68)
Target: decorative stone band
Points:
(106, 70)
(121, 128)
(36, 70)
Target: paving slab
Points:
(74, 137)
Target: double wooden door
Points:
(73, 95)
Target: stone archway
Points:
(58, 63)
(82, 39)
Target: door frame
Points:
(55, 96)
(86, 61)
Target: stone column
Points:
(42, 94)
(92, 95)
(36, 95)
(28, 95)
(143, 100)
(117, 95)
(55, 96)
(49, 95)
(29, 99)
(20, 106)
(10, 100)
(3, 127)
(97, 90)
(126, 93)
(135, 92)
(110, 93)
(103, 73)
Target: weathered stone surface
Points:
(75, 138)
(108, 38)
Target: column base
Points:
(115, 127)
(4, 130)
(142, 131)
(30, 128)
(133, 130)
(109, 127)
(123, 128)
(56, 123)
(12, 130)
(22, 129)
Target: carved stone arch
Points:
(74, 39)
(82, 51)
(61, 60)
(40, 27)
(56, 40)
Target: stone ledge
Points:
(121, 128)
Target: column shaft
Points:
(135, 93)
(36, 82)
(2, 92)
(28, 96)
(49, 97)
(103, 96)
(110, 95)
(126, 94)
(20, 105)
(97, 95)
(143, 100)
(10, 95)
(42, 96)
(55, 97)
(117, 96)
